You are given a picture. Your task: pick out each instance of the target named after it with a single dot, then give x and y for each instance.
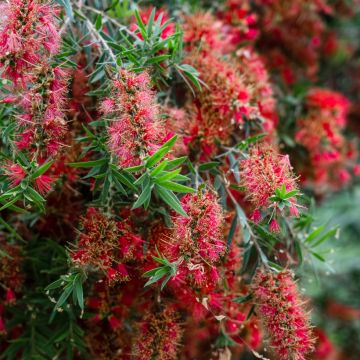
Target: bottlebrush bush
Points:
(159, 167)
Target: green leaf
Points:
(157, 59)
(35, 195)
(159, 168)
(242, 299)
(177, 187)
(41, 170)
(88, 164)
(252, 139)
(290, 194)
(299, 252)
(151, 272)
(324, 237)
(167, 176)
(141, 179)
(144, 196)
(64, 296)
(208, 166)
(140, 24)
(126, 179)
(313, 235)
(169, 198)
(176, 162)
(165, 281)
(54, 285)
(134, 168)
(318, 256)
(150, 22)
(161, 152)
(98, 22)
(79, 292)
(232, 231)
(13, 201)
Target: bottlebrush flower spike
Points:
(28, 35)
(265, 171)
(197, 238)
(204, 30)
(43, 183)
(43, 119)
(135, 130)
(320, 132)
(106, 245)
(200, 233)
(220, 106)
(158, 335)
(281, 310)
(15, 173)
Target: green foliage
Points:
(282, 196)
(165, 271)
(70, 284)
(40, 339)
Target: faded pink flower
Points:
(134, 128)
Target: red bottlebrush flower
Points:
(240, 21)
(256, 216)
(158, 334)
(103, 244)
(219, 107)
(27, 36)
(320, 132)
(43, 121)
(265, 171)
(297, 27)
(280, 308)
(252, 67)
(15, 173)
(274, 226)
(134, 130)
(43, 184)
(329, 101)
(197, 239)
(203, 29)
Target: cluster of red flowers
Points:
(135, 130)
(159, 335)
(196, 241)
(280, 307)
(292, 35)
(106, 245)
(262, 174)
(159, 280)
(28, 35)
(42, 121)
(237, 87)
(320, 131)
